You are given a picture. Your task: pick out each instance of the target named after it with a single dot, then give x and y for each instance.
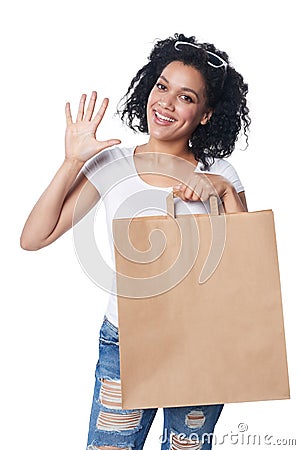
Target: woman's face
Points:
(176, 104)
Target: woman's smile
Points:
(163, 119)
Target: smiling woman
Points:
(222, 94)
(192, 103)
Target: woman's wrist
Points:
(73, 163)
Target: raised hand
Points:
(80, 138)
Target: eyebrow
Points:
(183, 88)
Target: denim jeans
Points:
(189, 427)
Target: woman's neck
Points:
(177, 149)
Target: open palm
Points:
(80, 139)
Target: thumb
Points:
(110, 143)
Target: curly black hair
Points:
(225, 95)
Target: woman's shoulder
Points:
(221, 165)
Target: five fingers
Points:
(87, 116)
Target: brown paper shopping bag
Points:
(200, 311)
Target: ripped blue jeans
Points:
(188, 427)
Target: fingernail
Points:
(177, 187)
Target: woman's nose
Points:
(167, 103)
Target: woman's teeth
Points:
(161, 117)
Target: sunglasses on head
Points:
(213, 59)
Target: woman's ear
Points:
(206, 117)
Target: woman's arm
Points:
(242, 196)
(52, 215)
(232, 201)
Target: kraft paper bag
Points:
(200, 309)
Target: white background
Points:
(50, 310)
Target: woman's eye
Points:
(186, 98)
(160, 86)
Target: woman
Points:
(192, 104)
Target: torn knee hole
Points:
(111, 397)
(195, 419)
(110, 394)
(110, 421)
